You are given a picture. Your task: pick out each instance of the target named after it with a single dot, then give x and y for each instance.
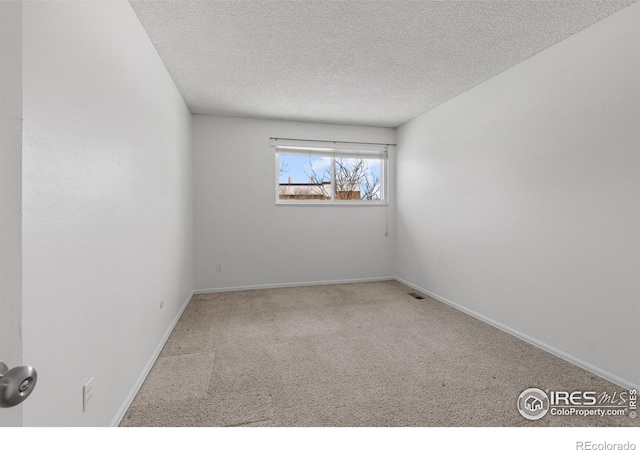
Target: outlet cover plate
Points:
(87, 395)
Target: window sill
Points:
(340, 204)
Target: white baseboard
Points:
(535, 342)
(138, 384)
(279, 285)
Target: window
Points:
(317, 172)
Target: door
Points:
(11, 194)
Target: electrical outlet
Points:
(87, 395)
(219, 267)
(161, 303)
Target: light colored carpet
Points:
(362, 354)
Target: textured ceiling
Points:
(353, 62)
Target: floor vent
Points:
(418, 296)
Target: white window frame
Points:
(334, 150)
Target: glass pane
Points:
(304, 177)
(358, 179)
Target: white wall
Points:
(10, 193)
(519, 200)
(238, 223)
(108, 212)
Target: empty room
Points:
(320, 214)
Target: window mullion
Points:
(333, 179)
